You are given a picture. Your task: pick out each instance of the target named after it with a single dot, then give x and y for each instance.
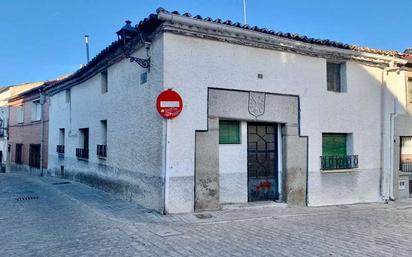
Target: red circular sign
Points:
(169, 104)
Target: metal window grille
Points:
(82, 153)
(102, 150)
(60, 149)
(339, 162)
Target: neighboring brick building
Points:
(28, 112)
(7, 93)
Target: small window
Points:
(83, 150)
(36, 110)
(20, 114)
(61, 136)
(335, 76)
(337, 152)
(68, 95)
(103, 124)
(409, 91)
(229, 132)
(143, 77)
(104, 83)
(102, 148)
(60, 146)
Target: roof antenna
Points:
(244, 11)
(86, 41)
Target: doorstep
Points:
(253, 205)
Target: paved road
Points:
(70, 219)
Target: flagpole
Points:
(244, 11)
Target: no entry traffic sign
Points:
(169, 104)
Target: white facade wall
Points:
(193, 65)
(134, 164)
(233, 164)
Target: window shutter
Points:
(333, 77)
(229, 132)
(334, 144)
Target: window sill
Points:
(337, 92)
(103, 158)
(82, 159)
(338, 171)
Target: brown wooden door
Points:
(34, 159)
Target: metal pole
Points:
(42, 100)
(244, 11)
(86, 41)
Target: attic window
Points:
(336, 74)
(104, 83)
(68, 95)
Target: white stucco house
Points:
(266, 116)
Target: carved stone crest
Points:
(257, 103)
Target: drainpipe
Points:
(42, 101)
(386, 173)
(392, 148)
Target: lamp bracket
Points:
(144, 63)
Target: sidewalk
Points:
(56, 217)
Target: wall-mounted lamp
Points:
(125, 35)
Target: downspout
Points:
(392, 136)
(383, 163)
(42, 101)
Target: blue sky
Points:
(43, 39)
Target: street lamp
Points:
(125, 35)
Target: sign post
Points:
(169, 104)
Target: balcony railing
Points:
(339, 162)
(60, 149)
(406, 166)
(102, 150)
(82, 153)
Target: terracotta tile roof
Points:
(297, 37)
(152, 21)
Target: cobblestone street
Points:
(43, 216)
